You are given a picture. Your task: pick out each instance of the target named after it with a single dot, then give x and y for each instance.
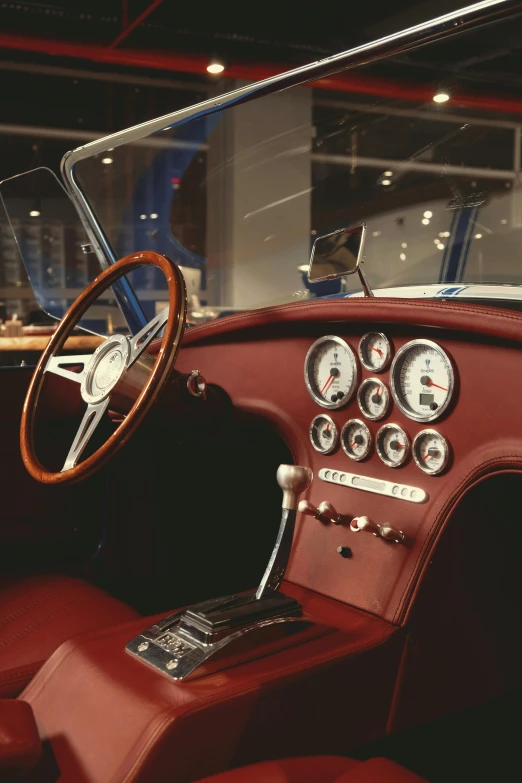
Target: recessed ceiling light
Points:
(444, 233)
(441, 97)
(504, 222)
(388, 173)
(385, 181)
(440, 246)
(34, 213)
(428, 214)
(153, 215)
(425, 222)
(403, 244)
(403, 256)
(107, 161)
(215, 67)
(376, 233)
(143, 217)
(478, 236)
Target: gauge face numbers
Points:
(373, 398)
(356, 439)
(392, 445)
(430, 452)
(323, 434)
(374, 351)
(422, 380)
(330, 372)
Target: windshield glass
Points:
(423, 148)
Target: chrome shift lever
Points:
(293, 479)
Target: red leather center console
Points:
(109, 717)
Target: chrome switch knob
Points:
(386, 531)
(307, 508)
(327, 510)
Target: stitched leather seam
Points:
(142, 758)
(35, 626)
(467, 482)
(27, 608)
(7, 679)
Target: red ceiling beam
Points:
(129, 27)
(349, 81)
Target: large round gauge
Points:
(374, 351)
(392, 445)
(422, 380)
(323, 434)
(356, 439)
(430, 451)
(373, 398)
(330, 372)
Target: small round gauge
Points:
(356, 439)
(392, 445)
(422, 380)
(373, 398)
(430, 451)
(374, 351)
(330, 372)
(323, 434)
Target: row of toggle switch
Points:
(325, 512)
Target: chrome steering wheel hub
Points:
(108, 364)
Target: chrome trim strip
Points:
(389, 488)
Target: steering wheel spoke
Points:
(58, 366)
(91, 419)
(140, 341)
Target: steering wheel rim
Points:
(174, 328)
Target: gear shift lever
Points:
(293, 479)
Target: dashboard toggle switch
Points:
(325, 512)
(386, 531)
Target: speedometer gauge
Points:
(330, 372)
(422, 380)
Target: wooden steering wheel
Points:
(119, 375)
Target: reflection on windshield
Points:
(417, 148)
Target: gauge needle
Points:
(426, 457)
(327, 427)
(377, 350)
(328, 382)
(430, 383)
(378, 392)
(353, 444)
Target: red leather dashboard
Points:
(258, 359)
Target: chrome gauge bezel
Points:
(360, 352)
(360, 399)
(307, 369)
(348, 453)
(335, 431)
(419, 462)
(382, 454)
(395, 383)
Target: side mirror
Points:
(337, 254)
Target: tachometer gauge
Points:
(356, 439)
(430, 451)
(330, 372)
(392, 445)
(422, 380)
(374, 351)
(373, 398)
(323, 434)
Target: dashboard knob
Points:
(390, 533)
(327, 510)
(293, 479)
(364, 524)
(386, 531)
(310, 510)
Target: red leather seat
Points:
(38, 613)
(319, 769)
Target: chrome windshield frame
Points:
(471, 17)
